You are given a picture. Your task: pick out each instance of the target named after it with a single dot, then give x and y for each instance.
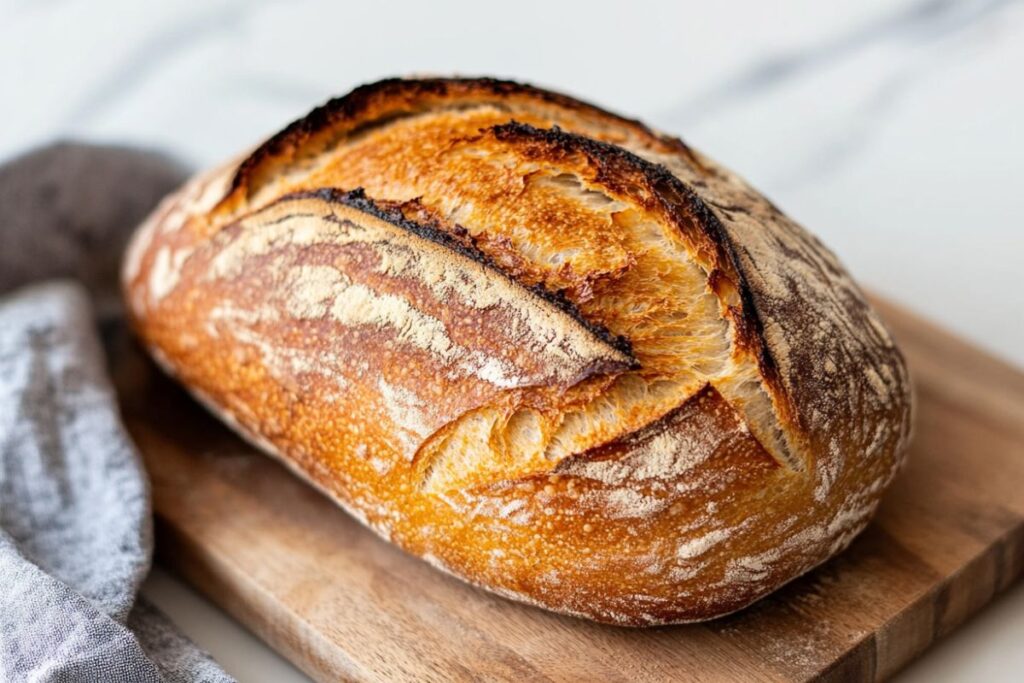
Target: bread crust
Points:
(543, 347)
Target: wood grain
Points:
(342, 604)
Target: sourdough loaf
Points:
(541, 346)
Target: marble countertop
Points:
(891, 129)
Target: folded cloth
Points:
(75, 525)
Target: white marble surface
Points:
(892, 129)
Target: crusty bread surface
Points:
(542, 347)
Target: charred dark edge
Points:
(607, 157)
(351, 105)
(391, 214)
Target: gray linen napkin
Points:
(75, 526)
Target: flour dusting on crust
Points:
(447, 360)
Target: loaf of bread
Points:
(542, 347)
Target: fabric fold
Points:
(75, 522)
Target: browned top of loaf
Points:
(788, 298)
(723, 398)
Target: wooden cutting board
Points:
(342, 604)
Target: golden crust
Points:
(545, 348)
